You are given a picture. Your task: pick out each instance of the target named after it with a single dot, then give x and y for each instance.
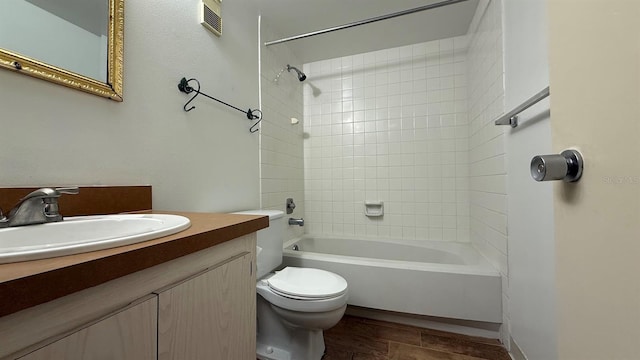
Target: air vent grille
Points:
(211, 18)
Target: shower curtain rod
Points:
(367, 21)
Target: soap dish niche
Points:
(374, 208)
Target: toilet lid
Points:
(308, 283)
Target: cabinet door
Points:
(128, 334)
(210, 316)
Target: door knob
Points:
(566, 166)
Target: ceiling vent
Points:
(210, 16)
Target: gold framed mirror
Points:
(108, 85)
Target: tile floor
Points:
(356, 338)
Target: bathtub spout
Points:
(299, 222)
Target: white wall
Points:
(281, 154)
(204, 160)
(488, 174)
(391, 126)
(532, 312)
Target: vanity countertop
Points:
(29, 283)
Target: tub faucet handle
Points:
(290, 206)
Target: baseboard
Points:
(515, 351)
(465, 327)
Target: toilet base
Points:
(267, 352)
(311, 348)
(279, 341)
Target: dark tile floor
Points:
(356, 338)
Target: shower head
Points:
(301, 75)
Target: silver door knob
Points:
(567, 166)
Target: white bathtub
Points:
(432, 278)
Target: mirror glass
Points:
(77, 43)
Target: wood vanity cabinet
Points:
(199, 306)
(128, 334)
(210, 316)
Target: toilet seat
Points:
(307, 283)
(286, 300)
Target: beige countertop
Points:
(29, 283)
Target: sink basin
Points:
(85, 233)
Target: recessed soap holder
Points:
(374, 208)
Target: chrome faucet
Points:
(299, 222)
(40, 206)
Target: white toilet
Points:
(294, 305)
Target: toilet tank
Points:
(270, 241)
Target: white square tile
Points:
(432, 47)
(405, 52)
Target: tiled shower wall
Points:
(487, 158)
(487, 141)
(281, 160)
(389, 126)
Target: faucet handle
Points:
(51, 208)
(71, 190)
(50, 193)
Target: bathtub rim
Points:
(461, 249)
(482, 268)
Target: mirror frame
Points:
(112, 89)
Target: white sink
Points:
(85, 233)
